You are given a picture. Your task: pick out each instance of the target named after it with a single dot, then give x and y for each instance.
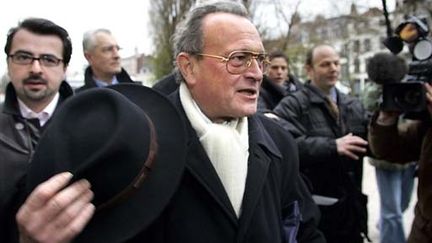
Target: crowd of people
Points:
(229, 147)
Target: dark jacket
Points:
(200, 210)
(167, 85)
(89, 82)
(412, 141)
(16, 150)
(271, 94)
(308, 118)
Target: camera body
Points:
(408, 95)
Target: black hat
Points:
(129, 142)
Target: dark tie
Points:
(34, 129)
(334, 110)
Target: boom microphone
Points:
(385, 68)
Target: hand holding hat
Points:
(129, 143)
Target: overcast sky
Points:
(127, 19)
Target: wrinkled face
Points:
(35, 83)
(104, 58)
(278, 70)
(219, 94)
(325, 69)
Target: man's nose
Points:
(36, 66)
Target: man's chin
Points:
(36, 95)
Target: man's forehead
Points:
(32, 42)
(279, 61)
(226, 27)
(325, 55)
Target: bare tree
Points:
(166, 14)
(290, 21)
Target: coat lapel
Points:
(261, 150)
(258, 168)
(198, 163)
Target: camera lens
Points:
(412, 97)
(409, 98)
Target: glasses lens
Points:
(49, 60)
(22, 58)
(263, 61)
(112, 48)
(238, 62)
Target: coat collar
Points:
(262, 151)
(122, 77)
(342, 99)
(10, 105)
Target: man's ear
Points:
(185, 64)
(309, 70)
(87, 56)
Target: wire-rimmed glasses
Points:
(238, 62)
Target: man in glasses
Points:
(241, 181)
(102, 53)
(37, 53)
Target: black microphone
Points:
(385, 68)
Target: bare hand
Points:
(350, 146)
(53, 213)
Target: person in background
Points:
(409, 141)
(37, 52)
(395, 181)
(242, 191)
(330, 129)
(102, 53)
(278, 82)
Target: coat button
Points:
(19, 126)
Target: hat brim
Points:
(128, 218)
(142, 208)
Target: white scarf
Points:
(227, 146)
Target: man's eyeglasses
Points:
(110, 49)
(46, 60)
(238, 62)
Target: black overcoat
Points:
(200, 210)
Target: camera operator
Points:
(411, 141)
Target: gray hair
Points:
(188, 36)
(89, 42)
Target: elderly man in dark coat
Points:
(241, 181)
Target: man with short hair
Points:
(241, 181)
(277, 83)
(38, 53)
(102, 53)
(330, 128)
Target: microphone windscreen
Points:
(384, 68)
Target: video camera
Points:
(407, 93)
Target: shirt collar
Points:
(101, 83)
(44, 115)
(333, 94)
